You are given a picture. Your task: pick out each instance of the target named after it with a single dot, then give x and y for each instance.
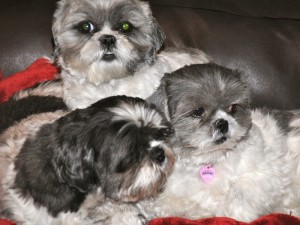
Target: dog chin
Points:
(223, 143)
(209, 151)
(106, 70)
(96, 72)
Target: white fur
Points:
(137, 67)
(80, 93)
(96, 208)
(26, 213)
(24, 210)
(261, 175)
(136, 113)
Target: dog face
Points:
(123, 148)
(99, 40)
(119, 145)
(209, 109)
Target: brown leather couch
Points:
(259, 37)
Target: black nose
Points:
(158, 155)
(108, 40)
(222, 125)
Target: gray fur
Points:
(104, 59)
(206, 86)
(86, 166)
(146, 37)
(254, 153)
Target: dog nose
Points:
(222, 125)
(108, 40)
(158, 155)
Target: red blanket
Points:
(272, 219)
(42, 70)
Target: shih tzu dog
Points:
(110, 47)
(87, 166)
(230, 160)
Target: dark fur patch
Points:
(81, 151)
(14, 111)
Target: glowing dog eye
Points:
(126, 26)
(198, 112)
(86, 27)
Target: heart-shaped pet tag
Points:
(207, 173)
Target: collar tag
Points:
(207, 173)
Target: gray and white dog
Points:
(110, 47)
(230, 160)
(86, 166)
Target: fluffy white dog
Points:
(110, 47)
(231, 161)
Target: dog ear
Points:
(169, 92)
(157, 36)
(170, 85)
(62, 9)
(73, 160)
(160, 100)
(157, 39)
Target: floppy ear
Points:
(57, 23)
(160, 100)
(157, 36)
(73, 160)
(170, 86)
(157, 39)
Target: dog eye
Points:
(126, 27)
(198, 112)
(86, 27)
(234, 108)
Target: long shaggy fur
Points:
(85, 166)
(110, 47)
(255, 153)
